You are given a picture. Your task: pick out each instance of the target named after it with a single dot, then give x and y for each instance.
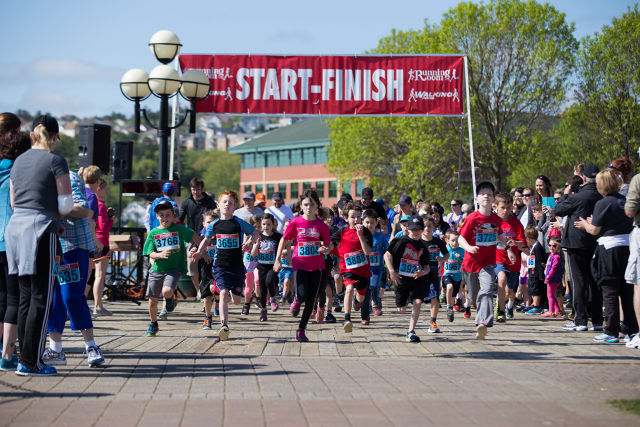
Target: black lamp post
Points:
(164, 83)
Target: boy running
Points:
(452, 277)
(205, 268)
(436, 248)
(379, 247)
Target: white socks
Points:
(55, 346)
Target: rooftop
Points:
(304, 133)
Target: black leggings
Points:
(268, 282)
(36, 293)
(9, 293)
(307, 284)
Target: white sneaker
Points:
(223, 333)
(94, 356)
(50, 357)
(635, 342)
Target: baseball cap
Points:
(367, 193)
(260, 197)
(404, 200)
(50, 124)
(163, 205)
(276, 196)
(168, 188)
(342, 203)
(249, 195)
(379, 201)
(415, 223)
(591, 170)
(404, 218)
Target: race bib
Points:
(248, 257)
(308, 249)
(374, 259)
(433, 254)
(531, 261)
(355, 259)
(227, 241)
(68, 273)
(285, 262)
(56, 264)
(211, 251)
(266, 256)
(408, 267)
(488, 237)
(167, 241)
(452, 267)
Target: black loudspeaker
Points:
(122, 160)
(94, 142)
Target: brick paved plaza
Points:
(527, 373)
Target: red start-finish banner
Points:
(367, 85)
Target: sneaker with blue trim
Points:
(412, 337)
(45, 371)
(8, 364)
(50, 357)
(171, 304)
(163, 315)
(581, 328)
(534, 310)
(604, 338)
(596, 328)
(152, 330)
(94, 356)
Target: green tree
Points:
(219, 170)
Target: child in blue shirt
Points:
(452, 277)
(376, 264)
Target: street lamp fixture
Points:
(164, 83)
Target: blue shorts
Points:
(285, 273)
(513, 277)
(229, 279)
(432, 282)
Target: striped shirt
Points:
(77, 231)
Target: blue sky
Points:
(68, 56)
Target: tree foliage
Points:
(219, 170)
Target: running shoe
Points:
(569, 326)
(45, 371)
(51, 358)
(596, 328)
(443, 297)
(581, 328)
(481, 331)
(274, 305)
(207, 323)
(163, 315)
(152, 330)
(301, 336)
(467, 312)
(9, 364)
(330, 318)
(94, 356)
(171, 304)
(635, 342)
(377, 311)
(320, 315)
(216, 310)
(604, 338)
(263, 315)
(457, 307)
(412, 337)
(101, 312)
(365, 322)
(501, 317)
(245, 309)
(509, 313)
(356, 305)
(223, 333)
(533, 310)
(450, 314)
(295, 308)
(433, 328)
(347, 326)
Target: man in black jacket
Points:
(580, 247)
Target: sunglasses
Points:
(553, 245)
(613, 167)
(527, 195)
(454, 204)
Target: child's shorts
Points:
(157, 281)
(229, 280)
(432, 286)
(513, 277)
(361, 284)
(285, 273)
(536, 287)
(448, 280)
(409, 287)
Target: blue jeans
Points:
(373, 293)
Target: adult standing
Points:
(622, 168)
(279, 210)
(40, 193)
(13, 142)
(580, 248)
(454, 218)
(632, 273)
(249, 208)
(611, 256)
(150, 219)
(192, 208)
(369, 203)
(526, 215)
(406, 208)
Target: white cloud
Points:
(55, 102)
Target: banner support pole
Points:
(473, 168)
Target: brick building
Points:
(290, 160)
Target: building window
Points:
(359, 186)
(296, 157)
(321, 155)
(295, 190)
(308, 156)
(259, 188)
(248, 161)
(272, 159)
(333, 189)
(247, 188)
(260, 160)
(270, 190)
(320, 188)
(346, 187)
(306, 186)
(284, 158)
